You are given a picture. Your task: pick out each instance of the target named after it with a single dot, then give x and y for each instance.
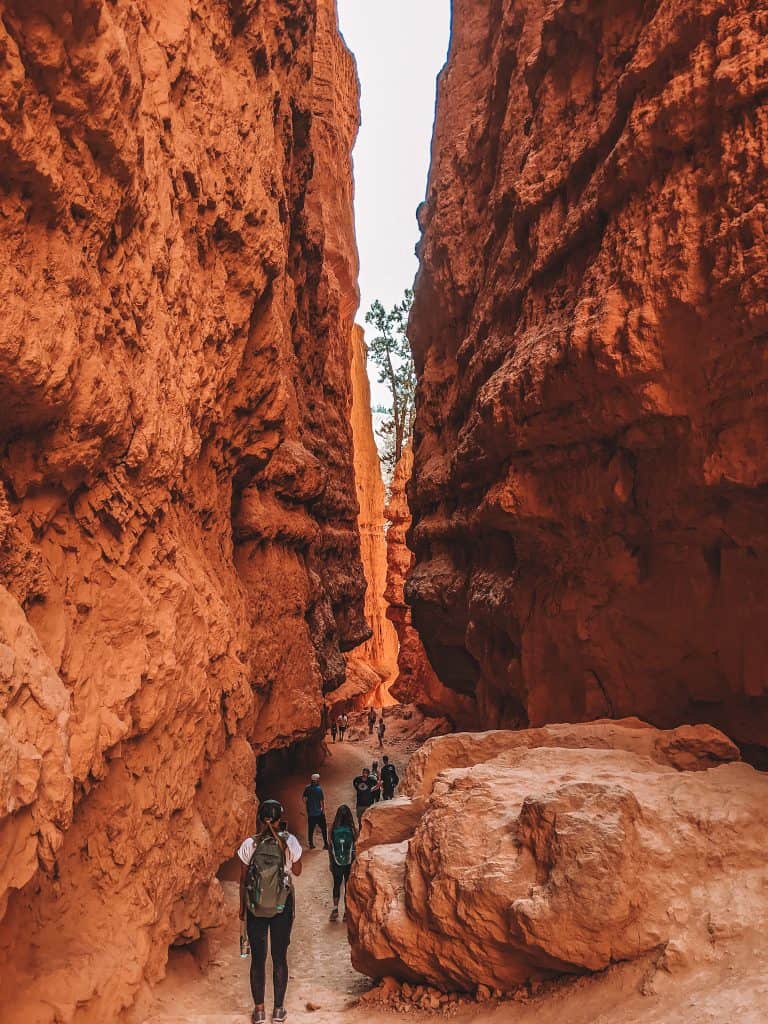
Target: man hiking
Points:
(365, 789)
(389, 779)
(371, 720)
(267, 861)
(341, 856)
(334, 730)
(314, 801)
(342, 721)
(380, 730)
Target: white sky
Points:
(400, 46)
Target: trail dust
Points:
(209, 983)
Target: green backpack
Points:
(267, 885)
(343, 845)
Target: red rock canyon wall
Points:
(416, 681)
(180, 558)
(379, 654)
(591, 463)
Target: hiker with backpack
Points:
(267, 903)
(389, 779)
(314, 801)
(371, 720)
(341, 855)
(365, 788)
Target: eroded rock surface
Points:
(416, 682)
(178, 533)
(379, 653)
(589, 330)
(527, 855)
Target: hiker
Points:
(314, 801)
(267, 903)
(341, 856)
(389, 779)
(334, 730)
(374, 777)
(380, 730)
(342, 721)
(371, 720)
(365, 789)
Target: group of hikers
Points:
(272, 857)
(340, 724)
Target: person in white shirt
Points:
(277, 927)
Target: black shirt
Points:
(365, 794)
(389, 775)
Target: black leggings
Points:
(279, 930)
(340, 874)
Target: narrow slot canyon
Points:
(552, 596)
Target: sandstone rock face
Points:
(178, 540)
(416, 681)
(380, 652)
(527, 855)
(589, 329)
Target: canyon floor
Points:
(209, 984)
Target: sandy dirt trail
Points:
(321, 975)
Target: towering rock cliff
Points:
(379, 654)
(416, 681)
(180, 559)
(590, 325)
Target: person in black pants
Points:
(341, 855)
(366, 790)
(278, 928)
(389, 779)
(314, 801)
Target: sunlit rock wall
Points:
(380, 652)
(590, 325)
(178, 534)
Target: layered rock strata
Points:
(519, 856)
(589, 330)
(180, 557)
(379, 654)
(416, 682)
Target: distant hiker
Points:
(314, 801)
(267, 903)
(371, 720)
(341, 856)
(389, 779)
(334, 730)
(374, 777)
(380, 730)
(342, 722)
(365, 789)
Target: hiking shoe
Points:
(279, 1014)
(334, 914)
(259, 1017)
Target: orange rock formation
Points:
(590, 498)
(380, 652)
(521, 856)
(180, 557)
(416, 681)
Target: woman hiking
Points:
(341, 855)
(267, 903)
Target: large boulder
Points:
(519, 856)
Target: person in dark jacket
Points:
(366, 790)
(389, 778)
(314, 801)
